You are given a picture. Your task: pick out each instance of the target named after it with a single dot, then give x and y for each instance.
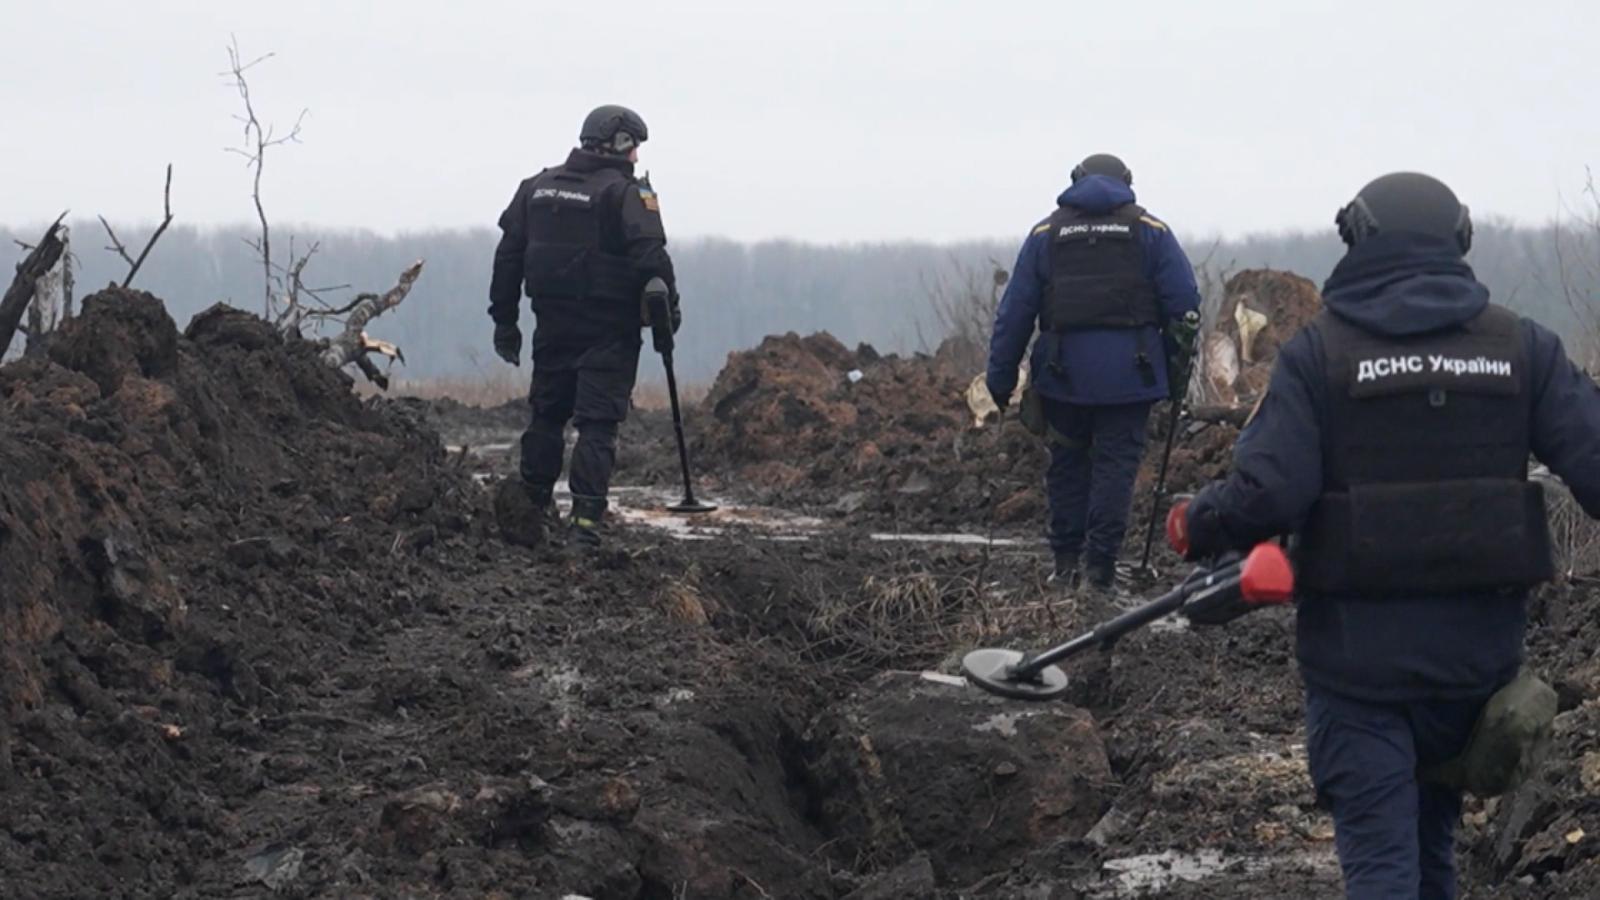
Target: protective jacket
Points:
(1397, 302)
(1426, 440)
(1097, 271)
(582, 238)
(1105, 292)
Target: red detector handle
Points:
(1267, 577)
(1178, 527)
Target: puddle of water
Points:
(955, 537)
(1141, 876)
(647, 507)
(477, 449)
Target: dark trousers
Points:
(1094, 458)
(1395, 834)
(592, 386)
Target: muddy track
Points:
(261, 638)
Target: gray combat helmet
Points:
(1102, 164)
(1408, 202)
(613, 129)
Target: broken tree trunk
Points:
(352, 345)
(40, 260)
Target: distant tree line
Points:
(736, 293)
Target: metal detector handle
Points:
(658, 305)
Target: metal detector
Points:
(658, 304)
(1212, 595)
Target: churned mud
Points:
(261, 637)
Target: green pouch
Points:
(1508, 741)
(1031, 412)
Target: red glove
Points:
(1178, 527)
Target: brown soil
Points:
(260, 636)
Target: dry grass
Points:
(1575, 535)
(654, 395)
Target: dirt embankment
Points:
(257, 635)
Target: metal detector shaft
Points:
(657, 305)
(1106, 633)
(1161, 483)
(677, 426)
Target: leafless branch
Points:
(117, 246)
(166, 219)
(257, 138)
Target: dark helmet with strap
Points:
(1406, 202)
(1102, 164)
(613, 129)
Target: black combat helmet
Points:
(613, 129)
(1407, 202)
(1102, 164)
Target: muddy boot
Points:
(555, 528)
(1066, 574)
(1101, 577)
(587, 515)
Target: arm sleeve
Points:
(1277, 463)
(505, 284)
(1171, 272)
(1566, 418)
(1017, 316)
(645, 236)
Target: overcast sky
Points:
(821, 120)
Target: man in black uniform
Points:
(582, 238)
(1394, 440)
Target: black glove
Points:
(508, 342)
(1000, 400)
(677, 313)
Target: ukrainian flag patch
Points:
(648, 197)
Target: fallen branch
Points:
(19, 295)
(352, 344)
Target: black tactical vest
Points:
(1425, 464)
(567, 257)
(1097, 272)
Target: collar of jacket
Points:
(581, 160)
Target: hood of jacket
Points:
(1097, 194)
(1404, 284)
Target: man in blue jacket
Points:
(1099, 278)
(1394, 440)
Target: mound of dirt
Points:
(806, 422)
(898, 752)
(185, 522)
(1261, 309)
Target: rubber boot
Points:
(588, 513)
(1066, 574)
(1102, 577)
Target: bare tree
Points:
(965, 300)
(1577, 252)
(258, 139)
(117, 247)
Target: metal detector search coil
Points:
(1209, 596)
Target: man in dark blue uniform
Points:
(583, 238)
(1394, 441)
(1099, 278)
